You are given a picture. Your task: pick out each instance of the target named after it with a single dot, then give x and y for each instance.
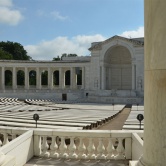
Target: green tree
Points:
(5, 55)
(72, 55)
(56, 58)
(16, 50)
(63, 55)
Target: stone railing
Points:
(9, 134)
(83, 144)
(76, 144)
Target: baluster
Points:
(81, 149)
(100, 150)
(91, 148)
(72, 149)
(54, 148)
(44, 147)
(0, 143)
(120, 149)
(63, 148)
(110, 149)
(5, 138)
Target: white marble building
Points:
(114, 73)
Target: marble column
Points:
(50, 78)
(133, 77)
(3, 78)
(83, 78)
(26, 78)
(73, 77)
(154, 149)
(61, 78)
(38, 80)
(103, 78)
(14, 78)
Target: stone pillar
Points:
(103, 78)
(73, 77)
(133, 77)
(50, 78)
(61, 78)
(38, 78)
(26, 78)
(154, 149)
(14, 79)
(3, 78)
(83, 78)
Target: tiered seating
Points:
(132, 123)
(57, 116)
(10, 101)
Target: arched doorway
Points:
(8, 79)
(20, 78)
(32, 78)
(44, 78)
(56, 78)
(118, 68)
(67, 78)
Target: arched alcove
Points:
(20, 78)
(8, 78)
(67, 77)
(32, 77)
(44, 78)
(118, 68)
(56, 78)
(78, 76)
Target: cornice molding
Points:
(98, 46)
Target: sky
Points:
(48, 28)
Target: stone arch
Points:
(78, 76)
(56, 77)
(67, 77)
(32, 78)
(118, 68)
(44, 78)
(8, 78)
(116, 43)
(20, 78)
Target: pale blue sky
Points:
(51, 27)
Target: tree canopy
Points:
(13, 50)
(64, 55)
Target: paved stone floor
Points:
(116, 123)
(58, 162)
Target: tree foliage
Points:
(64, 55)
(13, 50)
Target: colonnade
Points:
(61, 75)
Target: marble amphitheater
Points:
(88, 106)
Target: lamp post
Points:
(140, 117)
(36, 118)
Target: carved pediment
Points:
(135, 42)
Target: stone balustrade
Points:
(9, 134)
(83, 144)
(75, 144)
